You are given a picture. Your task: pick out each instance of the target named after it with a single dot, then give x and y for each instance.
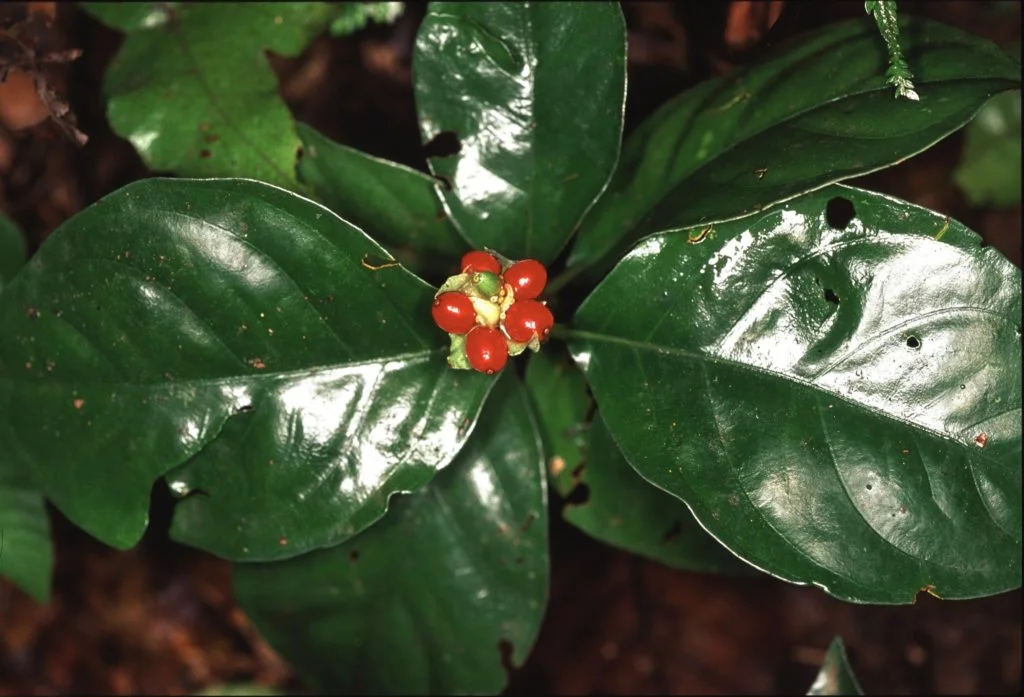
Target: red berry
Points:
(527, 278)
(486, 350)
(454, 313)
(524, 318)
(480, 261)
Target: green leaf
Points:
(535, 94)
(558, 393)
(176, 311)
(395, 205)
(807, 116)
(835, 677)
(989, 169)
(195, 94)
(424, 601)
(26, 554)
(627, 512)
(353, 16)
(839, 406)
(13, 251)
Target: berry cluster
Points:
(491, 311)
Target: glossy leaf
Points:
(175, 312)
(835, 677)
(12, 249)
(395, 205)
(808, 115)
(195, 95)
(534, 94)
(627, 512)
(558, 393)
(837, 405)
(424, 601)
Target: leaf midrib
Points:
(687, 180)
(176, 30)
(787, 378)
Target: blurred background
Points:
(160, 619)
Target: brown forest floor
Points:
(160, 619)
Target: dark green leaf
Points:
(395, 205)
(989, 170)
(807, 116)
(353, 16)
(195, 94)
(422, 602)
(12, 250)
(534, 94)
(558, 392)
(26, 555)
(837, 406)
(171, 310)
(836, 677)
(627, 512)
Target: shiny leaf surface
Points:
(534, 95)
(173, 312)
(837, 405)
(195, 95)
(627, 512)
(422, 602)
(395, 205)
(835, 677)
(558, 393)
(12, 249)
(808, 115)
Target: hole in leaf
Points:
(913, 342)
(868, 487)
(578, 496)
(444, 144)
(673, 532)
(353, 556)
(839, 212)
(831, 297)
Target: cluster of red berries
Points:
(491, 311)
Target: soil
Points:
(160, 619)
